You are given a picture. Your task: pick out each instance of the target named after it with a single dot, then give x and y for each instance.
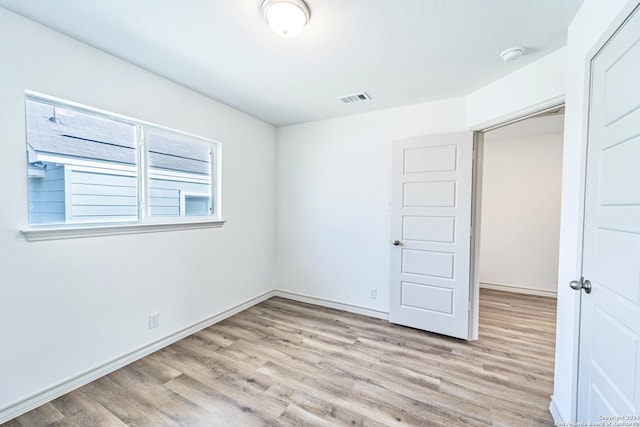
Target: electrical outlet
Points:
(154, 320)
(373, 293)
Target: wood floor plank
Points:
(322, 404)
(39, 417)
(295, 416)
(125, 404)
(153, 394)
(80, 409)
(225, 408)
(285, 363)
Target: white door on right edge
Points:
(609, 367)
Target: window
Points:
(177, 167)
(87, 168)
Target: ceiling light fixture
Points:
(286, 17)
(511, 54)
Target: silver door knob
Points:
(581, 284)
(396, 243)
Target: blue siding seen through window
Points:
(47, 196)
(164, 197)
(103, 197)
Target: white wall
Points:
(590, 23)
(68, 306)
(520, 216)
(524, 91)
(334, 180)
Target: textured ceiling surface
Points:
(400, 52)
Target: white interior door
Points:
(430, 232)
(609, 366)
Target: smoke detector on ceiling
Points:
(511, 54)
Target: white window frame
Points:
(145, 223)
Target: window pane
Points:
(81, 167)
(197, 206)
(178, 165)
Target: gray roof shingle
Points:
(90, 137)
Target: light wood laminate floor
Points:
(287, 363)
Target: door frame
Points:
(476, 198)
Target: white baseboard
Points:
(323, 302)
(518, 289)
(22, 406)
(558, 418)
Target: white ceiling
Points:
(399, 51)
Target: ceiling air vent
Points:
(358, 97)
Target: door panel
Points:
(431, 217)
(618, 268)
(427, 263)
(429, 228)
(429, 194)
(610, 333)
(430, 159)
(428, 298)
(609, 367)
(618, 168)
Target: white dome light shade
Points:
(286, 17)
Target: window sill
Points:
(80, 231)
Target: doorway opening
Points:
(516, 207)
(520, 205)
